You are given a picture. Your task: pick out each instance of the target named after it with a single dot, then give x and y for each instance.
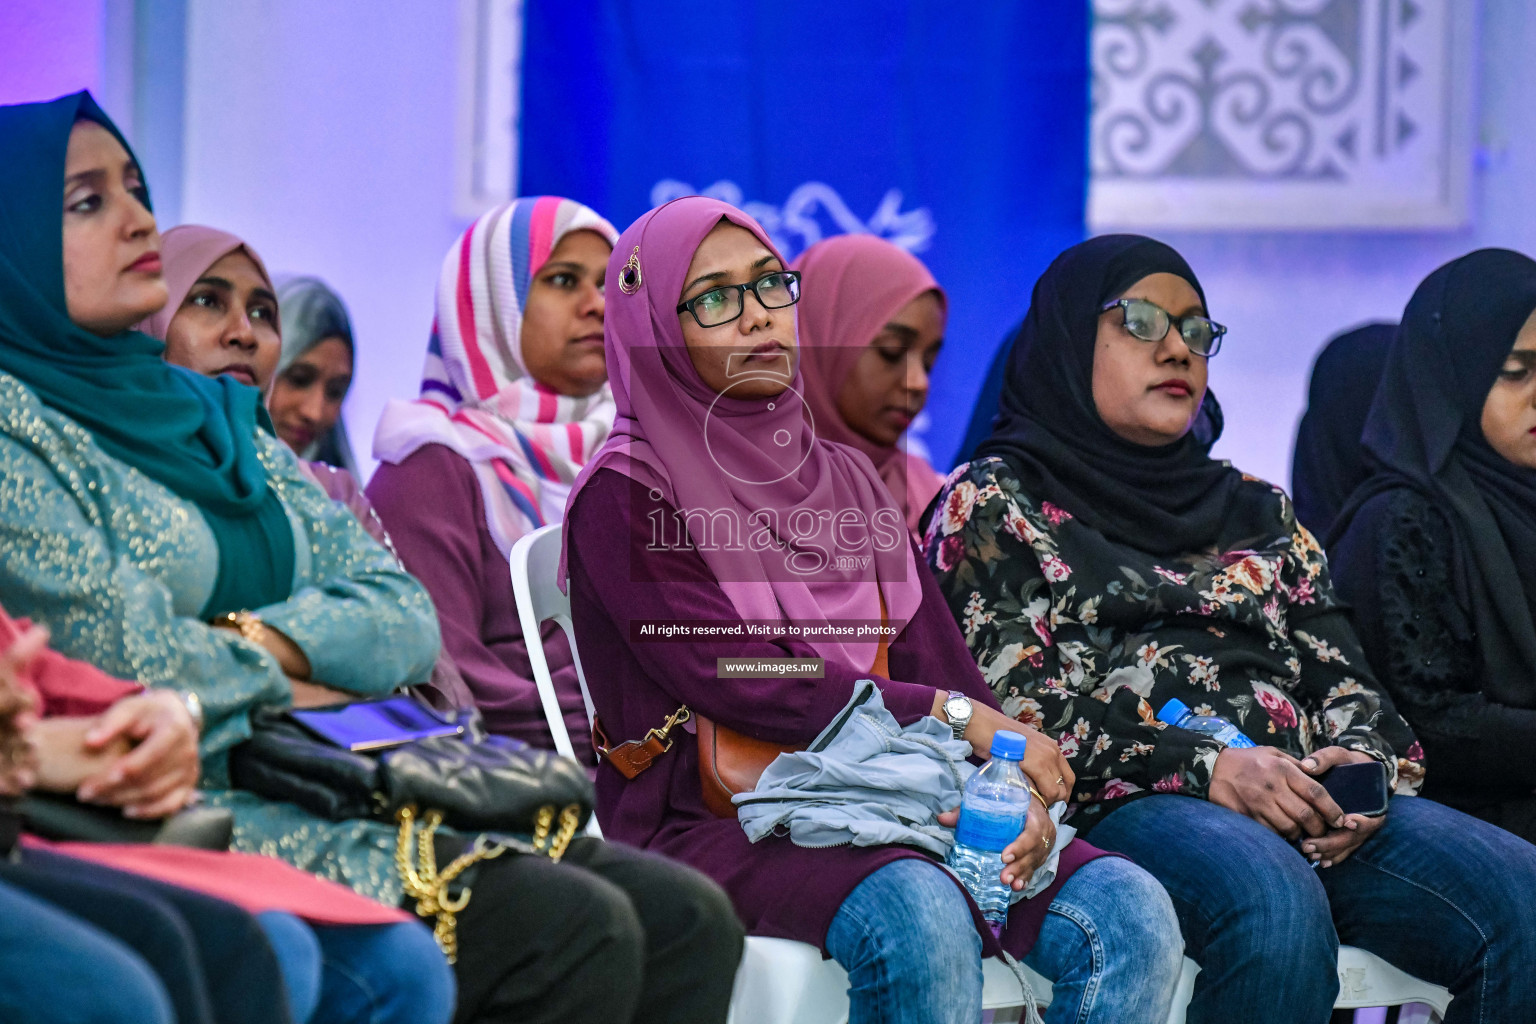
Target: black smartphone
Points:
(1359, 788)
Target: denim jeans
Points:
(55, 967)
(1110, 945)
(1441, 895)
(905, 935)
(379, 974)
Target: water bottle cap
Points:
(1172, 711)
(1009, 745)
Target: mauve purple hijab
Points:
(853, 286)
(706, 451)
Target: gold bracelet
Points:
(1036, 794)
(249, 625)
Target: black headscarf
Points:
(1425, 432)
(1329, 461)
(1168, 500)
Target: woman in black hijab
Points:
(1437, 549)
(1329, 461)
(1103, 566)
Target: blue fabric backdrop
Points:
(958, 130)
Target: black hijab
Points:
(1168, 500)
(1329, 461)
(1425, 432)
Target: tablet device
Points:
(375, 724)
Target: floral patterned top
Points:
(1085, 638)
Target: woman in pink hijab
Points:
(713, 506)
(871, 325)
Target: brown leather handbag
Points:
(731, 762)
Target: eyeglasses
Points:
(1150, 322)
(722, 304)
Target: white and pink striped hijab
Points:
(526, 443)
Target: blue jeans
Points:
(54, 967)
(905, 935)
(1437, 893)
(1110, 945)
(378, 974)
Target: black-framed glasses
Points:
(1150, 322)
(724, 303)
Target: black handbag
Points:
(472, 782)
(63, 818)
(494, 785)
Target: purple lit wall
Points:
(49, 47)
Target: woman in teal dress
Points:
(140, 504)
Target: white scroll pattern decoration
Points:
(813, 211)
(1280, 113)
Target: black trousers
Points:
(610, 933)
(212, 956)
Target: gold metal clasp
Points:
(674, 720)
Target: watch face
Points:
(957, 707)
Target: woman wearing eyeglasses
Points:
(1102, 564)
(714, 506)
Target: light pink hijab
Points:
(744, 457)
(853, 285)
(186, 253)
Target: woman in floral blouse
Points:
(1100, 563)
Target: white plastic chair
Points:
(535, 563)
(785, 982)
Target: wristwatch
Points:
(958, 709)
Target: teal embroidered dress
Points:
(118, 568)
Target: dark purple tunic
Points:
(432, 507)
(779, 889)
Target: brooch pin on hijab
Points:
(629, 276)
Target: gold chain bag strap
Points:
(429, 887)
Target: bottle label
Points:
(990, 828)
(1233, 737)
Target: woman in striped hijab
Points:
(514, 399)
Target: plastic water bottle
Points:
(1177, 713)
(992, 813)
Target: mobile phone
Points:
(1359, 788)
(375, 724)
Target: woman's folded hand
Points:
(18, 713)
(158, 776)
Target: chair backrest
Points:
(535, 562)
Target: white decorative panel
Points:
(1281, 113)
(489, 101)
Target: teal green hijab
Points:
(195, 435)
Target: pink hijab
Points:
(853, 285)
(757, 460)
(186, 253)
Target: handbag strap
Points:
(634, 756)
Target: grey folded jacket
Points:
(864, 780)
